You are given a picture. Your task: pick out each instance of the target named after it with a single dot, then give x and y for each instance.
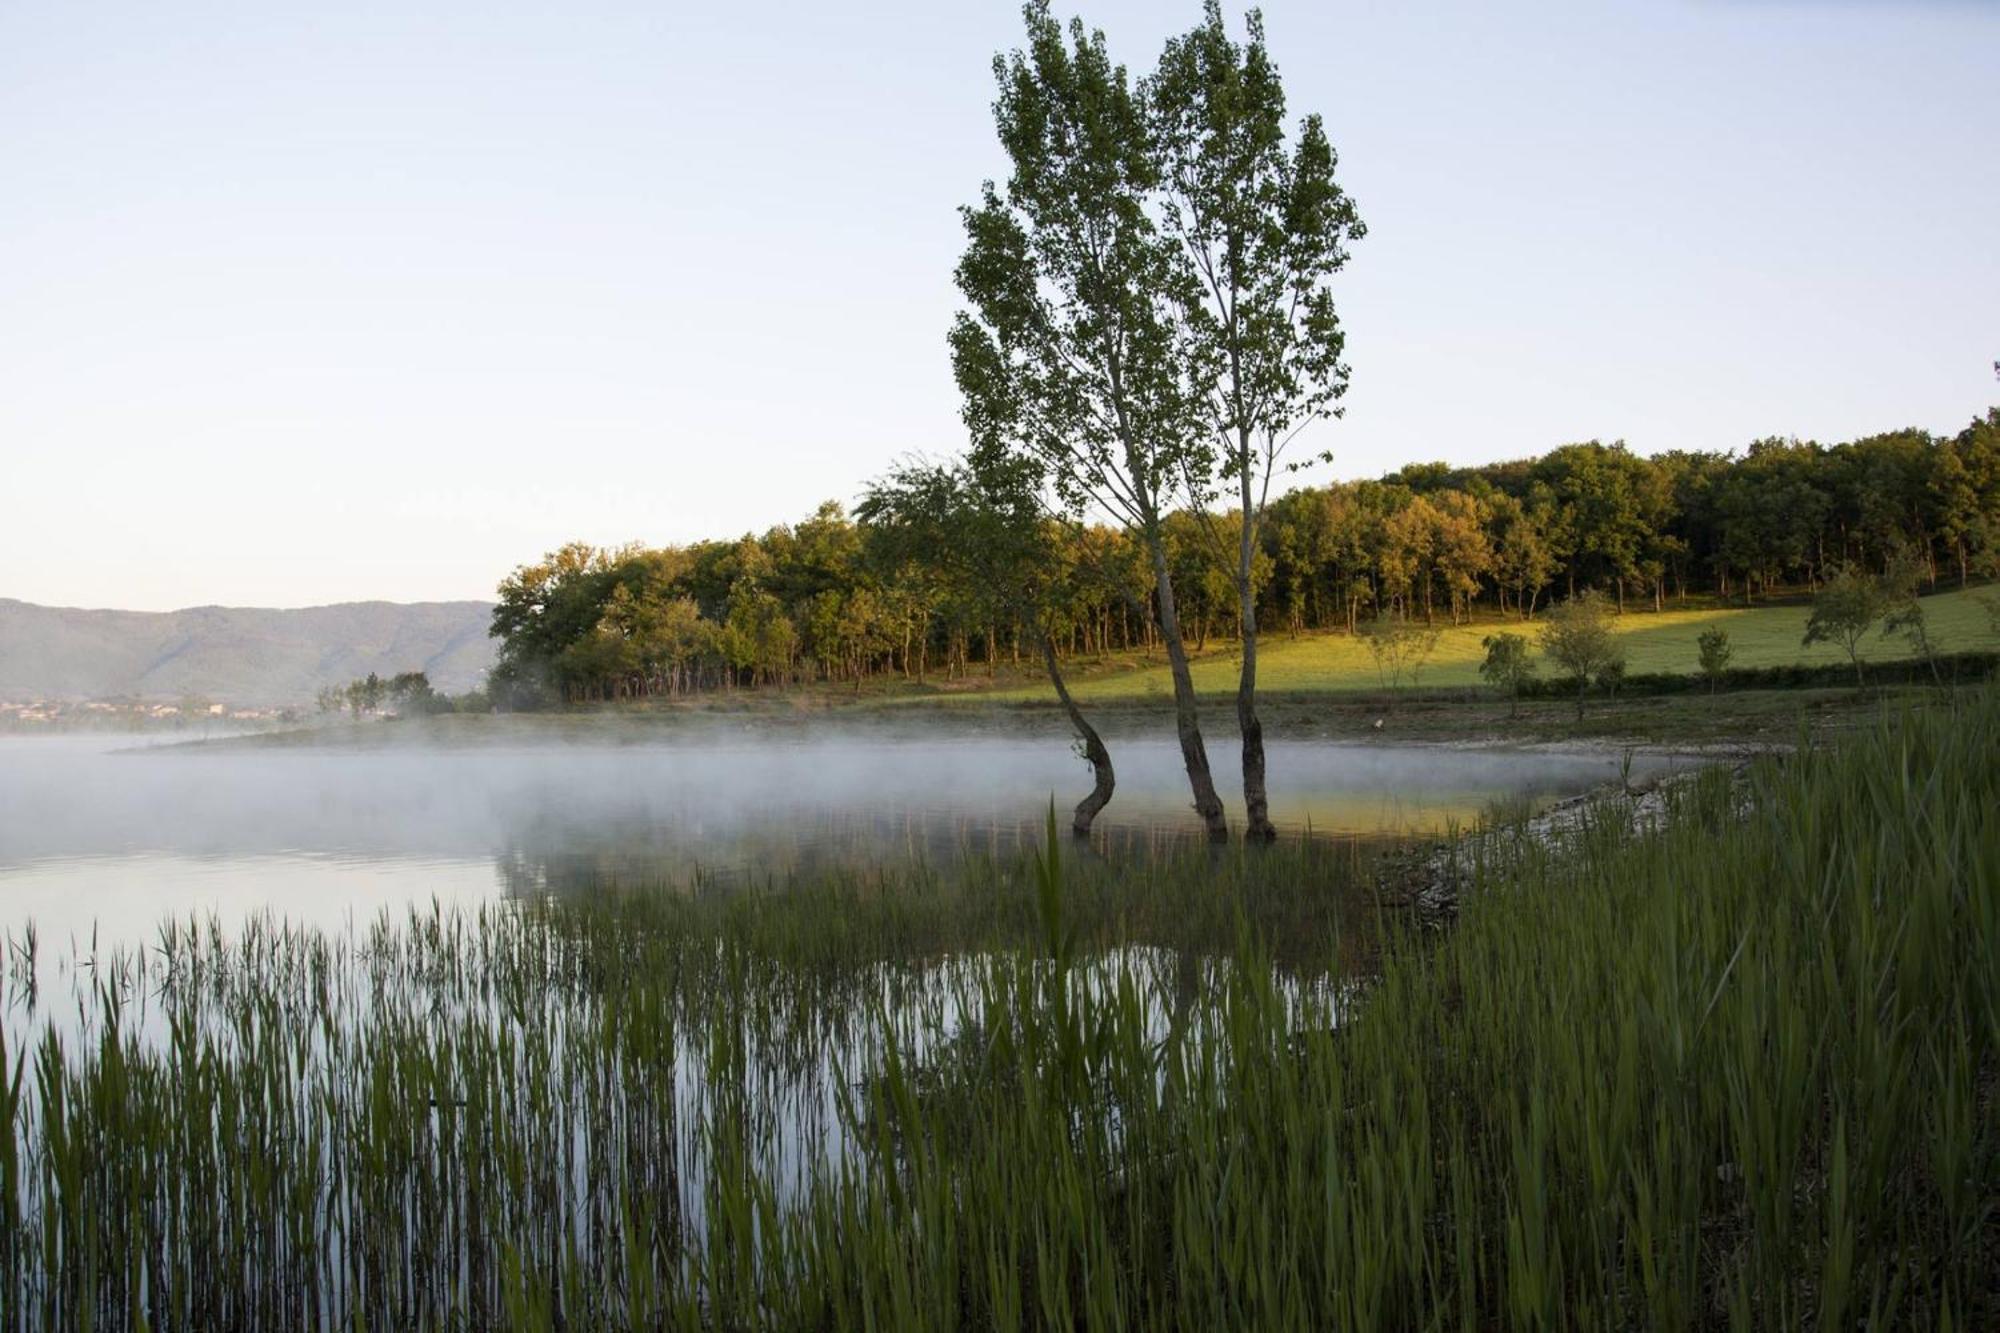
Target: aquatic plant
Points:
(1737, 1068)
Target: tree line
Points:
(846, 598)
(1781, 514)
(405, 694)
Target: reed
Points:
(1738, 1070)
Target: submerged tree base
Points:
(1736, 1067)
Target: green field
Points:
(1764, 636)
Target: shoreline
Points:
(1432, 880)
(1700, 727)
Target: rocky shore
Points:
(1430, 880)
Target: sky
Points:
(304, 303)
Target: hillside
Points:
(243, 655)
(1763, 636)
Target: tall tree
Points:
(1460, 549)
(1073, 354)
(1522, 562)
(543, 608)
(1405, 555)
(1965, 484)
(1261, 229)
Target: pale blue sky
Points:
(303, 303)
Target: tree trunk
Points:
(1093, 748)
(1186, 720)
(1256, 796)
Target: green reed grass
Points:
(1739, 1071)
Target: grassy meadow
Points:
(1737, 1070)
(1761, 636)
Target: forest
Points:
(845, 598)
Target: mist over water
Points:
(115, 834)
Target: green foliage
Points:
(1990, 604)
(1612, 674)
(1399, 646)
(1072, 360)
(406, 694)
(1260, 227)
(981, 536)
(1714, 652)
(1904, 615)
(1952, 668)
(1049, 892)
(1507, 666)
(1507, 663)
(1844, 609)
(585, 623)
(1577, 637)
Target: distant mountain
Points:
(242, 655)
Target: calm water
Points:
(112, 835)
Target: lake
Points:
(597, 1068)
(113, 834)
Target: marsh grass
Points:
(1736, 1072)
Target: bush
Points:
(1507, 664)
(1953, 668)
(1715, 652)
(1577, 637)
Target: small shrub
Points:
(1507, 666)
(1715, 651)
(1845, 609)
(1577, 637)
